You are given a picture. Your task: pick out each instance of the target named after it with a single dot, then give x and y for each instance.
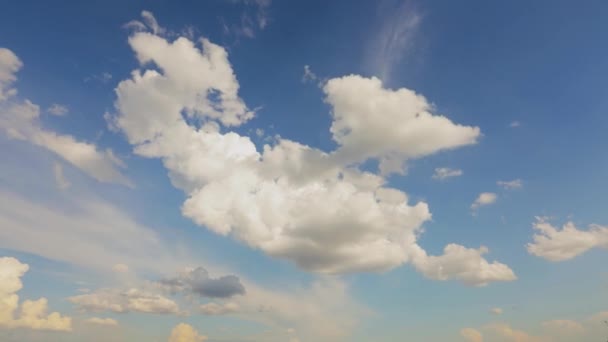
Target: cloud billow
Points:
(315, 208)
(200, 283)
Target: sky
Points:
(294, 171)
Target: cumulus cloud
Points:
(484, 198)
(185, 333)
(30, 314)
(554, 244)
(58, 110)
(9, 65)
(290, 200)
(21, 120)
(471, 335)
(102, 321)
(198, 281)
(370, 121)
(464, 264)
(123, 301)
(589, 329)
(442, 173)
(510, 185)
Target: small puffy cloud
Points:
(471, 335)
(120, 268)
(30, 314)
(9, 65)
(442, 173)
(510, 185)
(132, 300)
(371, 121)
(58, 110)
(102, 321)
(60, 180)
(214, 309)
(185, 333)
(464, 264)
(198, 281)
(496, 311)
(554, 244)
(484, 198)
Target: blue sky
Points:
(257, 170)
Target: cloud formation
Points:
(554, 244)
(511, 185)
(484, 198)
(58, 110)
(21, 120)
(292, 201)
(442, 173)
(102, 321)
(185, 333)
(31, 314)
(123, 301)
(9, 65)
(198, 282)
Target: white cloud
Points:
(515, 124)
(510, 185)
(370, 121)
(553, 244)
(30, 314)
(290, 200)
(21, 120)
(58, 110)
(122, 301)
(484, 198)
(9, 65)
(464, 264)
(471, 335)
(496, 311)
(442, 173)
(60, 180)
(102, 321)
(185, 333)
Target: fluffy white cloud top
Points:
(31, 314)
(185, 333)
(292, 201)
(554, 244)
